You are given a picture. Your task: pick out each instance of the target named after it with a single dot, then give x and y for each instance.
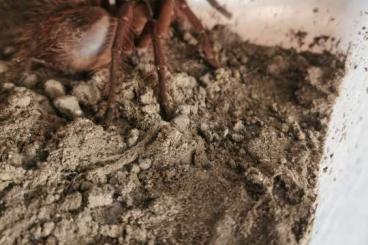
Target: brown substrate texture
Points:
(238, 164)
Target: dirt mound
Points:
(237, 165)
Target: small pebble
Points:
(206, 131)
(30, 153)
(72, 202)
(21, 102)
(48, 227)
(205, 127)
(182, 122)
(184, 109)
(100, 78)
(290, 120)
(314, 75)
(111, 231)
(300, 135)
(226, 132)
(87, 93)
(113, 213)
(7, 86)
(69, 106)
(255, 183)
(85, 186)
(3, 67)
(8, 51)
(244, 59)
(30, 80)
(239, 126)
(206, 79)
(183, 80)
(145, 164)
(135, 169)
(133, 137)
(51, 240)
(254, 96)
(190, 39)
(151, 109)
(148, 98)
(54, 89)
(237, 137)
(99, 197)
(236, 75)
(283, 160)
(284, 128)
(44, 103)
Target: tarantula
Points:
(85, 35)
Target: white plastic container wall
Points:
(342, 216)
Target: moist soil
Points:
(237, 164)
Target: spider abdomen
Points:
(76, 39)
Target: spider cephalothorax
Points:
(84, 35)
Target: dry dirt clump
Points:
(237, 165)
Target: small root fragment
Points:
(114, 163)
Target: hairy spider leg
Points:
(122, 46)
(155, 31)
(220, 8)
(206, 44)
(159, 31)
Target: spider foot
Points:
(24, 77)
(209, 55)
(107, 114)
(167, 110)
(106, 92)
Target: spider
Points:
(85, 35)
